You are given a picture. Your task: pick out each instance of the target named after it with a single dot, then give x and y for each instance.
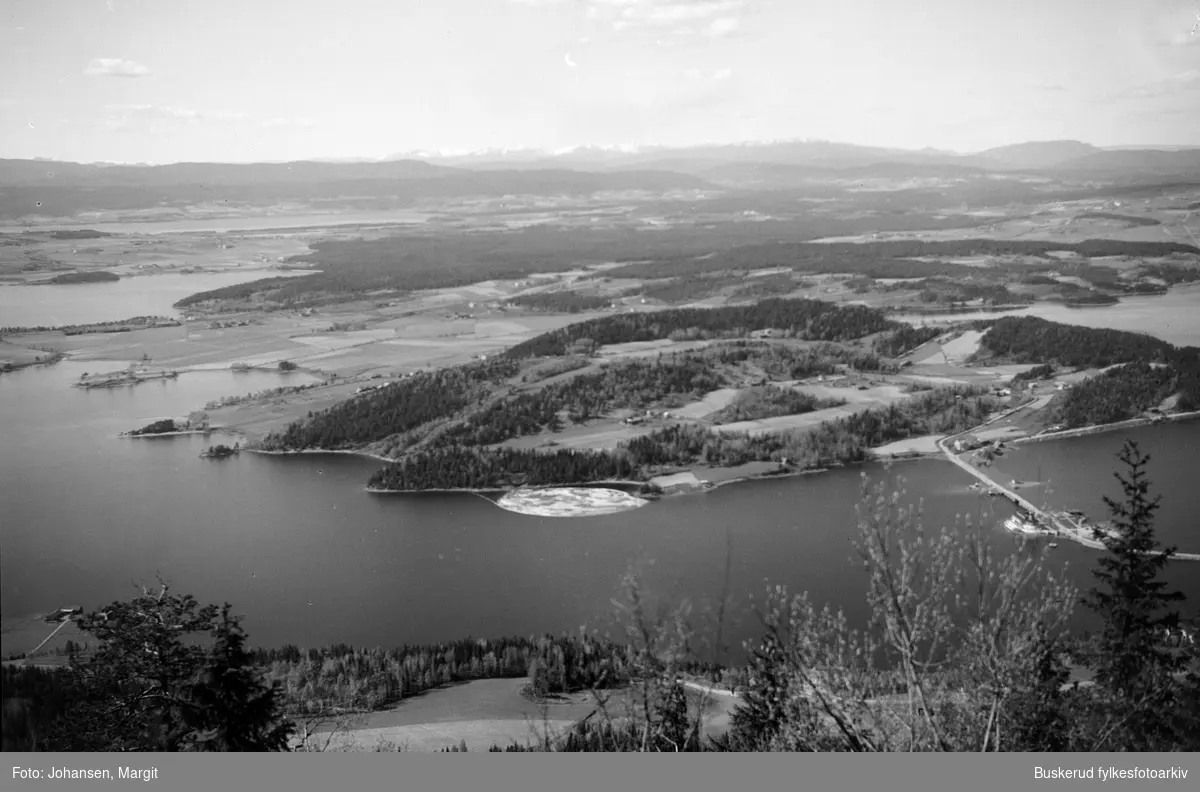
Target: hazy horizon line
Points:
(618, 148)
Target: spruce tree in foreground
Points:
(1142, 704)
(1132, 597)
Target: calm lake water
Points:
(298, 546)
(1180, 306)
(81, 303)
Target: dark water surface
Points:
(298, 546)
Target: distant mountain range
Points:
(52, 188)
(1065, 155)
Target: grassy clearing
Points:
(487, 712)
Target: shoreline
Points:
(507, 490)
(213, 430)
(1084, 431)
(365, 454)
(707, 486)
(9, 367)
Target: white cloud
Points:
(723, 26)
(115, 67)
(282, 122)
(674, 18)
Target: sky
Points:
(253, 80)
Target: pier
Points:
(1055, 523)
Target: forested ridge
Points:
(389, 412)
(887, 259)
(669, 380)
(1118, 394)
(462, 467)
(807, 319)
(838, 442)
(1123, 392)
(397, 407)
(561, 301)
(770, 401)
(831, 443)
(629, 384)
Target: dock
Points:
(1055, 523)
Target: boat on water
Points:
(1018, 524)
(1054, 544)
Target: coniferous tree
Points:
(233, 709)
(1132, 597)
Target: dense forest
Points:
(561, 301)
(634, 384)
(90, 276)
(808, 319)
(1044, 371)
(904, 339)
(837, 442)
(394, 408)
(352, 678)
(670, 380)
(770, 401)
(1028, 339)
(789, 362)
(459, 467)
(164, 426)
(397, 408)
(890, 259)
(407, 262)
(1118, 394)
(775, 285)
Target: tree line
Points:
(770, 401)
(1118, 394)
(461, 467)
(397, 407)
(1029, 339)
(809, 319)
(390, 414)
(633, 384)
(561, 301)
(887, 259)
(838, 442)
(833, 443)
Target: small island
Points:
(129, 376)
(98, 276)
(196, 423)
(220, 451)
